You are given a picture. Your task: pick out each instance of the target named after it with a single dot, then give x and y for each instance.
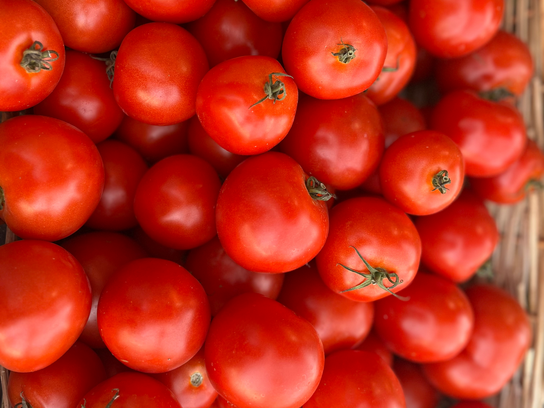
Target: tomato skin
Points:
(170, 11)
(19, 89)
(418, 392)
(400, 117)
(46, 388)
(470, 234)
(359, 379)
(261, 354)
(501, 337)
(45, 297)
(157, 72)
(275, 10)
(317, 31)
(449, 29)
(51, 174)
(266, 219)
(143, 322)
(374, 344)
(383, 235)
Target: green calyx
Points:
(36, 59)
(440, 180)
(318, 190)
(346, 53)
(274, 90)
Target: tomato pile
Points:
(226, 203)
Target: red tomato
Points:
(171, 11)
(45, 299)
(231, 30)
(372, 251)
(491, 135)
(83, 98)
(359, 379)
(157, 72)
(51, 177)
(374, 344)
(422, 172)
(501, 337)
(470, 234)
(418, 393)
(267, 221)
(100, 254)
(341, 323)
(334, 52)
(153, 315)
(238, 113)
(275, 10)
(28, 36)
(338, 154)
(79, 367)
(260, 354)
(449, 28)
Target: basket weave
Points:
(518, 262)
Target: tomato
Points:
(456, 248)
(267, 221)
(374, 344)
(238, 113)
(341, 323)
(171, 11)
(51, 177)
(505, 62)
(418, 393)
(153, 315)
(231, 30)
(501, 337)
(157, 71)
(338, 153)
(223, 279)
(369, 230)
(83, 98)
(491, 135)
(422, 172)
(260, 354)
(45, 299)
(433, 324)
(28, 36)
(449, 29)
(100, 254)
(512, 185)
(330, 55)
(359, 379)
(130, 390)
(400, 60)
(47, 388)
(275, 10)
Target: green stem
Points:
(274, 90)
(346, 53)
(35, 59)
(318, 190)
(440, 180)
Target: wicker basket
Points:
(518, 262)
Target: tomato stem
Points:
(274, 90)
(486, 270)
(23, 403)
(496, 94)
(532, 184)
(318, 190)
(196, 379)
(440, 180)
(376, 276)
(346, 53)
(35, 59)
(110, 65)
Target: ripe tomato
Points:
(51, 177)
(153, 315)
(45, 299)
(334, 52)
(374, 344)
(275, 10)
(267, 221)
(28, 36)
(418, 392)
(372, 251)
(260, 354)
(171, 11)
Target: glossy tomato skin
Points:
(51, 174)
(261, 354)
(275, 10)
(450, 29)
(418, 392)
(501, 337)
(470, 234)
(338, 152)
(224, 105)
(359, 379)
(46, 388)
(144, 323)
(157, 72)
(411, 165)
(171, 11)
(266, 219)
(491, 135)
(20, 89)
(46, 300)
(374, 344)
(384, 236)
(317, 32)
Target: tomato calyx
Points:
(346, 53)
(531, 185)
(486, 270)
(35, 59)
(110, 65)
(376, 276)
(391, 69)
(440, 180)
(496, 95)
(23, 403)
(196, 379)
(318, 190)
(274, 90)
(116, 390)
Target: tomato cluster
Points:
(226, 203)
